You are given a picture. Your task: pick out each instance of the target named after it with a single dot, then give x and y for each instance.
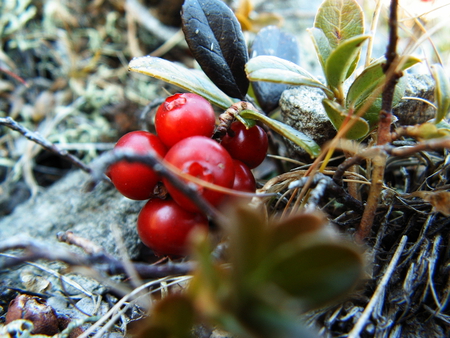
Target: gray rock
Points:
(410, 111)
(301, 108)
(67, 206)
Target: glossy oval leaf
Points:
(342, 60)
(215, 39)
(321, 44)
(188, 79)
(274, 69)
(339, 20)
(370, 79)
(337, 116)
(297, 137)
(316, 270)
(442, 92)
(273, 41)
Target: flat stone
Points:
(67, 205)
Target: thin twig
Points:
(404, 151)
(37, 138)
(324, 186)
(384, 127)
(100, 165)
(355, 332)
(99, 261)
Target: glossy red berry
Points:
(136, 180)
(203, 158)
(184, 115)
(243, 177)
(246, 145)
(164, 226)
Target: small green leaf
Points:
(299, 138)
(337, 116)
(340, 20)
(372, 113)
(342, 61)
(274, 69)
(188, 79)
(370, 80)
(322, 45)
(315, 269)
(442, 91)
(248, 123)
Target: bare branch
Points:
(99, 261)
(100, 165)
(35, 137)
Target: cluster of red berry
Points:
(184, 124)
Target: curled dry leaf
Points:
(440, 200)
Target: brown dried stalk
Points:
(384, 127)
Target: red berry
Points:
(164, 226)
(243, 177)
(182, 116)
(136, 180)
(246, 145)
(203, 158)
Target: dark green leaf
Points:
(342, 60)
(297, 137)
(340, 20)
(316, 270)
(274, 69)
(216, 41)
(337, 116)
(188, 79)
(273, 41)
(442, 91)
